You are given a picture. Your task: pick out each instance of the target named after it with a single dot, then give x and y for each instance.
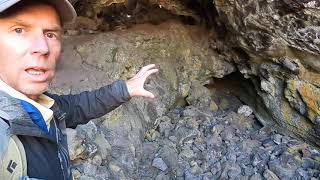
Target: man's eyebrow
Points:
(55, 28)
(21, 23)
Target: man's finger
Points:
(147, 67)
(143, 70)
(152, 71)
(147, 74)
(148, 94)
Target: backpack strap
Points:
(13, 162)
(4, 138)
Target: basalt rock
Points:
(273, 43)
(185, 61)
(281, 39)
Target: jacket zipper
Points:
(59, 155)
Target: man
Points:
(30, 46)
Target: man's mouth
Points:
(37, 74)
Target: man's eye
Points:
(18, 30)
(51, 35)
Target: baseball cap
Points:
(64, 8)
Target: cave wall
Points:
(185, 60)
(281, 39)
(274, 43)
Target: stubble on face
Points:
(30, 45)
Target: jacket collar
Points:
(43, 104)
(18, 119)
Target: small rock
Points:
(308, 163)
(302, 173)
(89, 169)
(216, 168)
(103, 144)
(196, 169)
(234, 172)
(280, 171)
(213, 106)
(277, 138)
(152, 135)
(207, 176)
(89, 130)
(217, 129)
(162, 176)
(231, 157)
(244, 159)
(248, 171)
(86, 178)
(291, 65)
(228, 134)
(267, 143)
(160, 164)
(189, 176)
(169, 155)
(245, 110)
(306, 153)
(76, 173)
(185, 134)
(256, 177)
(96, 160)
(114, 168)
(256, 160)
(180, 172)
(173, 139)
(165, 128)
(243, 178)
(187, 153)
(315, 152)
(269, 175)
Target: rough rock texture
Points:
(281, 39)
(274, 43)
(197, 142)
(185, 60)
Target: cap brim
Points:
(64, 7)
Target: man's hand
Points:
(135, 84)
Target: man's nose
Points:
(40, 45)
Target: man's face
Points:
(30, 44)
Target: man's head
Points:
(30, 45)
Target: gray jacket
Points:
(47, 154)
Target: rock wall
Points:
(274, 43)
(184, 58)
(281, 39)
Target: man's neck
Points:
(33, 97)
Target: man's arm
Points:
(89, 105)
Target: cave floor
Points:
(195, 142)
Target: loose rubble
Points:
(197, 143)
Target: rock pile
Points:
(201, 142)
(197, 143)
(274, 43)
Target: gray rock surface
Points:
(160, 164)
(280, 39)
(198, 133)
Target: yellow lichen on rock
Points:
(309, 95)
